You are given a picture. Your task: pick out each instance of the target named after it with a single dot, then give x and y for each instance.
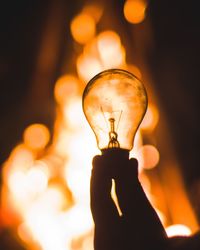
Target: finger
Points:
(102, 206)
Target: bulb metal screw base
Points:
(115, 153)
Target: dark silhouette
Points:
(139, 226)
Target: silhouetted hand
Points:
(139, 226)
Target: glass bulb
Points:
(114, 103)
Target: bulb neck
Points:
(115, 152)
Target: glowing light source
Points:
(88, 66)
(151, 118)
(161, 215)
(178, 230)
(73, 113)
(37, 180)
(145, 182)
(24, 232)
(135, 71)
(111, 52)
(83, 28)
(26, 186)
(36, 136)
(91, 50)
(148, 157)
(53, 198)
(66, 86)
(134, 10)
(94, 10)
(21, 158)
(16, 184)
(114, 103)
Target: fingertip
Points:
(98, 165)
(96, 159)
(134, 162)
(101, 167)
(134, 165)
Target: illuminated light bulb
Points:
(134, 10)
(114, 103)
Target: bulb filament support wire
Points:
(113, 142)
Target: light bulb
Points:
(114, 104)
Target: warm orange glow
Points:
(61, 143)
(88, 66)
(17, 185)
(138, 142)
(24, 233)
(103, 52)
(78, 221)
(65, 87)
(148, 157)
(161, 216)
(36, 136)
(26, 184)
(46, 187)
(21, 158)
(112, 54)
(78, 171)
(45, 224)
(178, 230)
(74, 114)
(145, 182)
(109, 38)
(94, 10)
(37, 180)
(53, 198)
(134, 10)
(83, 28)
(151, 118)
(135, 71)
(91, 50)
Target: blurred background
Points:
(49, 50)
